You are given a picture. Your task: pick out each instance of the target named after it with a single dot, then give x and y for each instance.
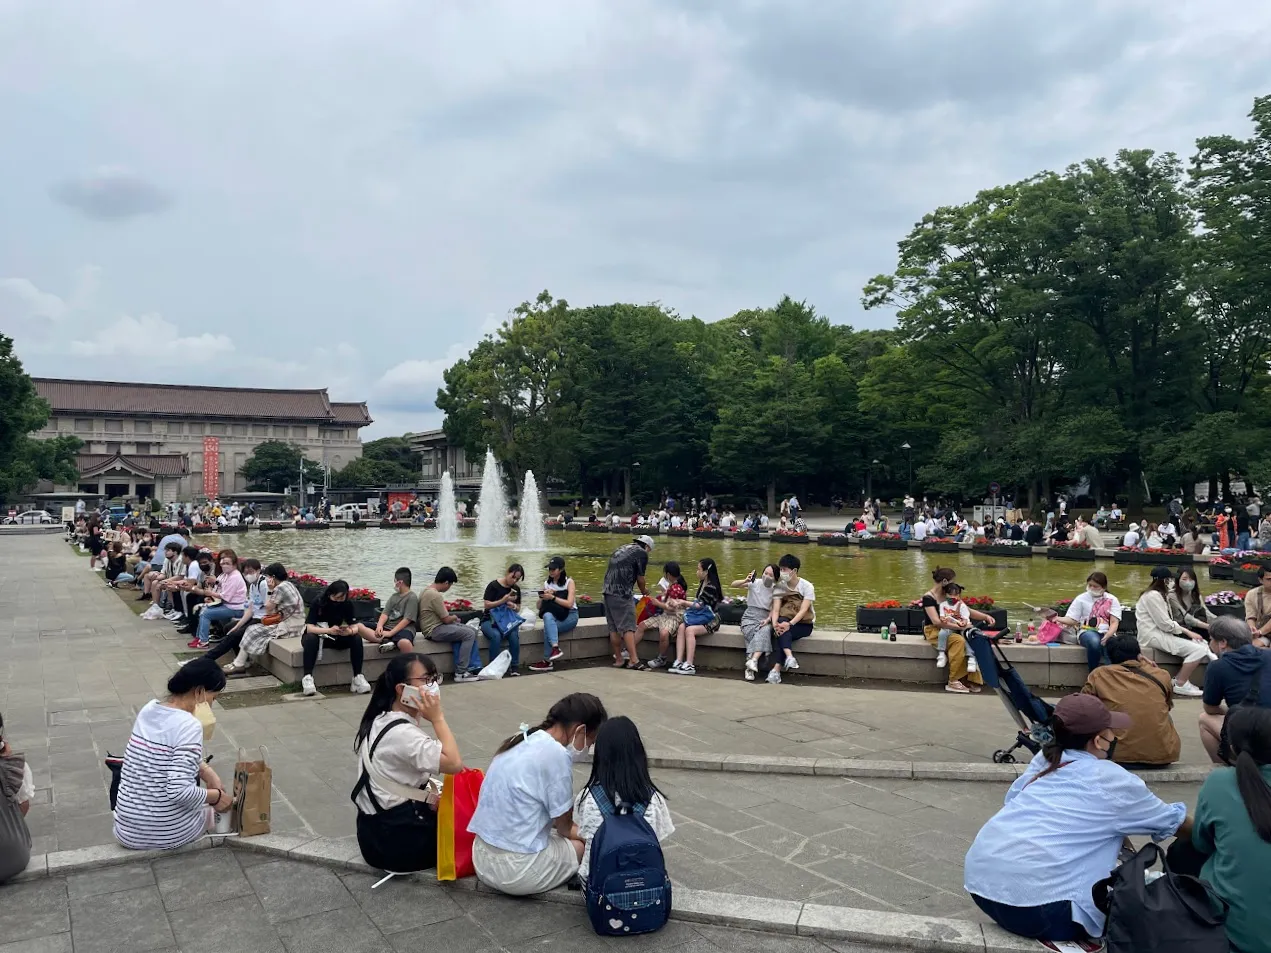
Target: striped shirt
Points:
(160, 804)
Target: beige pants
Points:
(523, 874)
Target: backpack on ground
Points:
(627, 889)
(1174, 913)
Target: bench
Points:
(841, 654)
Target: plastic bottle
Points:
(891, 631)
(1019, 632)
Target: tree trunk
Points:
(1213, 487)
(1032, 497)
(772, 497)
(626, 491)
(1226, 486)
(1135, 492)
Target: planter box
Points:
(429, 523)
(1066, 552)
(1010, 552)
(202, 528)
(590, 610)
(793, 540)
(832, 540)
(309, 593)
(269, 526)
(575, 527)
(593, 528)
(639, 530)
(356, 524)
(747, 536)
(1153, 559)
(1236, 609)
(731, 614)
(873, 542)
(1221, 572)
(557, 527)
(314, 525)
(709, 534)
(939, 546)
(366, 610)
(467, 523)
(871, 620)
(390, 524)
(240, 528)
(1244, 577)
(1128, 623)
(679, 532)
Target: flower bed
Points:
(884, 541)
(645, 530)
(587, 608)
(1226, 602)
(939, 546)
(355, 524)
(366, 606)
(467, 523)
(1220, 568)
(270, 525)
(1246, 574)
(575, 527)
(709, 534)
(1153, 557)
(747, 535)
(1076, 551)
(597, 528)
(1010, 548)
(833, 539)
(394, 524)
(202, 528)
(679, 532)
(873, 616)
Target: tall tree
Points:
(275, 465)
(24, 460)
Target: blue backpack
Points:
(627, 889)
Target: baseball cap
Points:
(646, 541)
(1088, 715)
(1162, 572)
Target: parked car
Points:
(345, 511)
(32, 516)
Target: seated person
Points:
(439, 624)
(1230, 846)
(558, 608)
(526, 839)
(1033, 535)
(330, 624)
(505, 591)
(1228, 680)
(396, 626)
(792, 618)
(1157, 630)
(164, 564)
(1092, 619)
(620, 769)
(1088, 534)
(1258, 609)
(17, 787)
(257, 587)
(116, 565)
(1133, 685)
(1187, 603)
(167, 743)
(396, 815)
(1033, 865)
(232, 590)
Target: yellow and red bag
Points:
(454, 811)
(645, 609)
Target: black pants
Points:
(228, 644)
(186, 604)
(339, 642)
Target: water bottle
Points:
(891, 631)
(1019, 632)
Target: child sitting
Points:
(954, 614)
(620, 768)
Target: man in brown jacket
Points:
(1133, 685)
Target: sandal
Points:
(974, 689)
(957, 688)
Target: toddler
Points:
(954, 614)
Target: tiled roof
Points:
(182, 400)
(160, 464)
(346, 413)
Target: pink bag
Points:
(1049, 632)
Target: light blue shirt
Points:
(523, 791)
(1058, 836)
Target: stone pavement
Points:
(75, 664)
(234, 901)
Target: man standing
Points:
(794, 508)
(626, 570)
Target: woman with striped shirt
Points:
(166, 793)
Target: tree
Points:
(24, 460)
(275, 465)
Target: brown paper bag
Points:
(253, 781)
(207, 718)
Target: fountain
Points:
(492, 522)
(447, 520)
(531, 538)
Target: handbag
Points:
(700, 614)
(272, 619)
(1174, 913)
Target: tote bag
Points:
(454, 812)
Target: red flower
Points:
(583, 598)
(885, 604)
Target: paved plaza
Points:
(76, 664)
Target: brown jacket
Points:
(1142, 691)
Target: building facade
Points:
(437, 457)
(177, 442)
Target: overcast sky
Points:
(319, 193)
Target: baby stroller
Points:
(1029, 711)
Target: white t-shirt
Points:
(958, 608)
(920, 530)
(525, 789)
(803, 588)
(588, 818)
(407, 755)
(758, 595)
(1131, 539)
(1083, 607)
(194, 573)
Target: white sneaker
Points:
(1187, 690)
(685, 668)
(359, 685)
(942, 659)
(792, 664)
(971, 664)
(749, 675)
(674, 667)
(172, 615)
(751, 668)
(626, 657)
(307, 686)
(774, 677)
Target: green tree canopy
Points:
(24, 461)
(275, 465)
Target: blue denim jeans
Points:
(221, 613)
(497, 639)
(1242, 541)
(1092, 642)
(554, 628)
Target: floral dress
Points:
(288, 604)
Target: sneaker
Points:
(195, 644)
(674, 666)
(1187, 690)
(971, 664)
(774, 677)
(388, 646)
(144, 597)
(513, 673)
(942, 659)
(686, 668)
(543, 666)
(752, 667)
(957, 688)
(172, 615)
(625, 656)
(466, 677)
(307, 686)
(557, 654)
(359, 685)
(749, 674)
(657, 662)
(792, 664)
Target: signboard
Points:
(406, 499)
(995, 489)
(211, 467)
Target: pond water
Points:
(844, 576)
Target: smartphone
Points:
(411, 696)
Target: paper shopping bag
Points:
(253, 781)
(454, 811)
(207, 718)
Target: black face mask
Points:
(1112, 749)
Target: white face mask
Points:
(786, 575)
(577, 754)
(1187, 585)
(1095, 593)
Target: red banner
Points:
(211, 467)
(406, 499)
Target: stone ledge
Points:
(891, 929)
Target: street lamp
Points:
(910, 458)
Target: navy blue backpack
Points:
(627, 889)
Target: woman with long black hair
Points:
(396, 813)
(1230, 846)
(699, 618)
(331, 624)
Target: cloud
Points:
(143, 337)
(111, 195)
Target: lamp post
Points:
(869, 479)
(910, 458)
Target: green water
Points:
(843, 576)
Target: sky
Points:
(310, 193)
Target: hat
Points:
(645, 541)
(1134, 527)
(1162, 572)
(1088, 715)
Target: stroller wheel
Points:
(1003, 757)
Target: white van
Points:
(344, 512)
